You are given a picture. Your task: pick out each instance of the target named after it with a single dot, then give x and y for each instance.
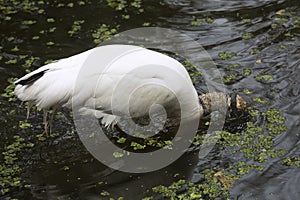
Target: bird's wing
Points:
(136, 81)
(50, 85)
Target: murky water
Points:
(262, 34)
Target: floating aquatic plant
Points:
(104, 32)
(75, 27)
(226, 56)
(10, 169)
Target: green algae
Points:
(125, 6)
(211, 189)
(247, 72)
(12, 61)
(247, 36)
(254, 52)
(104, 32)
(76, 27)
(121, 140)
(209, 20)
(196, 21)
(137, 146)
(260, 100)
(50, 20)
(292, 161)
(264, 77)
(10, 169)
(255, 143)
(229, 78)
(9, 91)
(118, 154)
(225, 56)
(233, 66)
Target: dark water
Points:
(60, 168)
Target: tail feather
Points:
(47, 88)
(52, 84)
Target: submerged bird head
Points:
(221, 102)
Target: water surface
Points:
(262, 34)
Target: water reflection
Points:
(87, 178)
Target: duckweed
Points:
(11, 38)
(226, 56)
(24, 124)
(70, 5)
(121, 140)
(264, 77)
(137, 146)
(281, 47)
(104, 193)
(29, 62)
(35, 37)
(247, 36)
(209, 20)
(59, 5)
(48, 61)
(259, 100)
(16, 48)
(246, 20)
(50, 20)
(212, 188)
(254, 52)
(136, 3)
(9, 90)
(12, 61)
(103, 33)
(273, 26)
(118, 155)
(122, 5)
(274, 116)
(229, 78)
(28, 22)
(146, 24)
(51, 30)
(81, 3)
(255, 144)
(235, 65)
(50, 43)
(75, 27)
(292, 161)
(9, 169)
(281, 19)
(247, 72)
(125, 16)
(253, 112)
(117, 4)
(196, 21)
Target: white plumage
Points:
(142, 75)
(55, 86)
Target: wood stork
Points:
(54, 85)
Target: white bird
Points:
(109, 82)
(144, 74)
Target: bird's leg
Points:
(29, 106)
(45, 122)
(54, 110)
